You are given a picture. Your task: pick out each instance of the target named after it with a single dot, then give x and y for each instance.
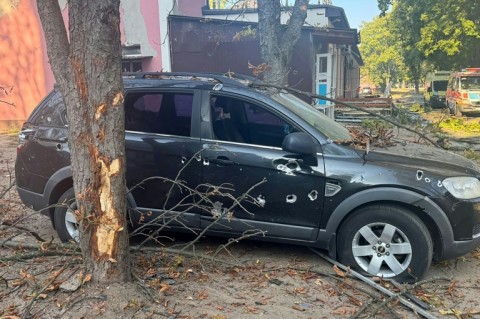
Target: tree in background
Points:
(217, 4)
(86, 64)
(449, 30)
(277, 43)
(381, 52)
(407, 24)
(451, 36)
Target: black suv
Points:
(385, 214)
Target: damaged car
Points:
(385, 214)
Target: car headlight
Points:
(463, 187)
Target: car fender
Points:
(326, 237)
(57, 184)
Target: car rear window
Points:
(50, 111)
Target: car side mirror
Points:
(300, 143)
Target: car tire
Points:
(385, 241)
(64, 217)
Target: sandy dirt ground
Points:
(251, 280)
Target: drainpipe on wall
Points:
(165, 7)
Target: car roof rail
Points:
(228, 78)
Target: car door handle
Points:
(222, 160)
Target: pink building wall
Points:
(23, 71)
(25, 67)
(150, 13)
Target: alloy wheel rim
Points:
(71, 224)
(382, 249)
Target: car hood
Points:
(425, 158)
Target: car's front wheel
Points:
(64, 219)
(386, 241)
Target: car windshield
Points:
(325, 125)
(471, 82)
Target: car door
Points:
(162, 138)
(242, 152)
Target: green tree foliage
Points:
(451, 35)
(383, 5)
(381, 52)
(449, 30)
(407, 24)
(217, 4)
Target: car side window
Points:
(240, 121)
(161, 113)
(52, 111)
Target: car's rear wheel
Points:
(386, 241)
(64, 218)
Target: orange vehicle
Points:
(463, 92)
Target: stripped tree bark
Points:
(276, 43)
(86, 63)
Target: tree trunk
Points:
(277, 44)
(87, 66)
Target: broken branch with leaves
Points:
(322, 97)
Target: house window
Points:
(131, 66)
(322, 65)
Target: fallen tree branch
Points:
(6, 90)
(38, 254)
(185, 253)
(32, 246)
(26, 312)
(141, 283)
(322, 97)
(404, 291)
(236, 202)
(245, 235)
(148, 311)
(6, 190)
(370, 282)
(72, 249)
(103, 298)
(34, 234)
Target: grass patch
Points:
(459, 125)
(11, 129)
